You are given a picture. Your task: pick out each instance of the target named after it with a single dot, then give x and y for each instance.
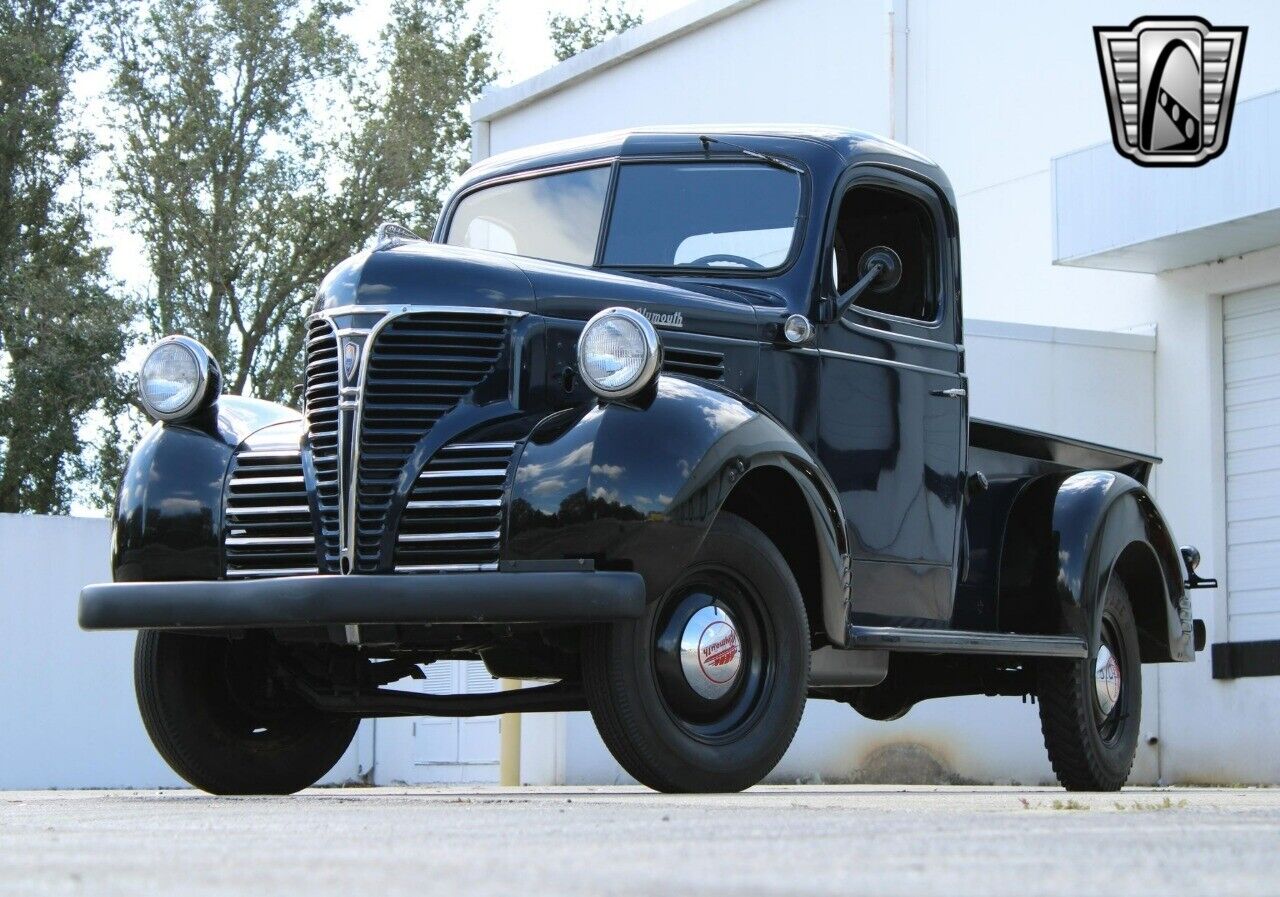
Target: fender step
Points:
(954, 641)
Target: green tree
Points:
(63, 323)
(255, 151)
(570, 35)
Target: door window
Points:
(872, 216)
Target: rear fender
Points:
(637, 486)
(1105, 524)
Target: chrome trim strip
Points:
(274, 571)
(893, 336)
(952, 641)
(901, 365)
(468, 503)
(263, 481)
(462, 474)
(477, 446)
(274, 509)
(410, 309)
(445, 568)
(269, 453)
(448, 537)
(270, 540)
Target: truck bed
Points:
(988, 440)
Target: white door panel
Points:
(429, 750)
(1251, 373)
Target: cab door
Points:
(893, 410)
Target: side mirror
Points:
(879, 269)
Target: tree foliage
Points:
(255, 151)
(63, 324)
(570, 35)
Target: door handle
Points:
(954, 393)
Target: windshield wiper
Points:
(763, 157)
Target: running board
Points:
(951, 641)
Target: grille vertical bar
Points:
(323, 425)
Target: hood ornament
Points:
(390, 235)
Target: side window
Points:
(880, 216)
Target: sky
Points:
(519, 28)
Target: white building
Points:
(1132, 306)
(1124, 305)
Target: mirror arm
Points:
(849, 296)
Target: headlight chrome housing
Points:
(178, 378)
(618, 353)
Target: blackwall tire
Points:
(666, 726)
(211, 739)
(1091, 745)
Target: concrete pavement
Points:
(843, 840)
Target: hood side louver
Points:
(693, 362)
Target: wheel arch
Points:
(1106, 524)
(637, 486)
(771, 499)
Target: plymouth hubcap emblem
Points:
(710, 654)
(1106, 680)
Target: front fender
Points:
(1097, 516)
(637, 488)
(168, 515)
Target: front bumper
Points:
(485, 597)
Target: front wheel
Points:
(704, 692)
(1090, 710)
(208, 707)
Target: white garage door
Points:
(1251, 328)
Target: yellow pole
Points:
(509, 743)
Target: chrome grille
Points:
(268, 521)
(321, 399)
(420, 366)
(453, 520)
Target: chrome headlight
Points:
(618, 353)
(177, 377)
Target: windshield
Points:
(556, 216)
(697, 215)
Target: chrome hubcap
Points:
(1106, 680)
(710, 653)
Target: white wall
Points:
(740, 69)
(70, 718)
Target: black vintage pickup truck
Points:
(673, 421)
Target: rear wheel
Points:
(208, 707)
(705, 691)
(1090, 710)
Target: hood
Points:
(424, 274)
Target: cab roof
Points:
(810, 144)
